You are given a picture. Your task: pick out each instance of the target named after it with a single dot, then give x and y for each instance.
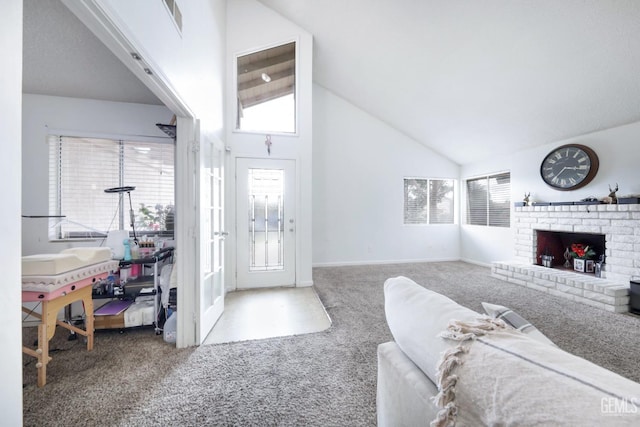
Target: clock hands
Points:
(571, 168)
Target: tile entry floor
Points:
(267, 313)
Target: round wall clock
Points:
(569, 167)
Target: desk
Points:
(52, 301)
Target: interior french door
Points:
(212, 235)
(265, 199)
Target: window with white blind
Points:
(489, 200)
(429, 201)
(80, 169)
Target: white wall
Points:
(191, 61)
(619, 156)
(10, 165)
(359, 166)
(251, 26)
(82, 117)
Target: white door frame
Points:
(212, 234)
(115, 35)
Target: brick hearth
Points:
(587, 289)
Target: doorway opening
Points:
(265, 222)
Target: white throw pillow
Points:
(516, 321)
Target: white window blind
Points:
(488, 200)
(428, 201)
(441, 201)
(80, 169)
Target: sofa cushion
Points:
(403, 392)
(416, 316)
(516, 321)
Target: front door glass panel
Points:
(266, 219)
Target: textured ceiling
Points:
(472, 79)
(61, 57)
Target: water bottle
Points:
(127, 249)
(170, 328)
(111, 283)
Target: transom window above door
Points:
(266, 90)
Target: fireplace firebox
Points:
(555, 243)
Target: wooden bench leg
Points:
(47, 327)
(43, 354)
(88, 312)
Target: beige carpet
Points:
(321, 379)
(269, 313)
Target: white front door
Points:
(265, 209)
(212, 235)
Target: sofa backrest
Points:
(416, 316)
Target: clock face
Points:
(569, 167)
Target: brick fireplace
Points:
(619, 229)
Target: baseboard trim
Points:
(378, 262)
(304, 284)
(471, 261)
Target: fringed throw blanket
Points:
(498, 376)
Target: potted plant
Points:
(581, 253)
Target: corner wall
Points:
(10, 165)
(359, 166)
(250, 27)
(84, 117)
(617, 150)
(191, 61)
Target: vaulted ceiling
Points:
(472, 79)
(469, 79)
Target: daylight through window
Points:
(489, 199)
(80, 169)
(429, 201)
(267, 90)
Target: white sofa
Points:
(501, 377)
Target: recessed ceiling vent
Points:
(174, 10)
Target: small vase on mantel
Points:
(567, 257)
